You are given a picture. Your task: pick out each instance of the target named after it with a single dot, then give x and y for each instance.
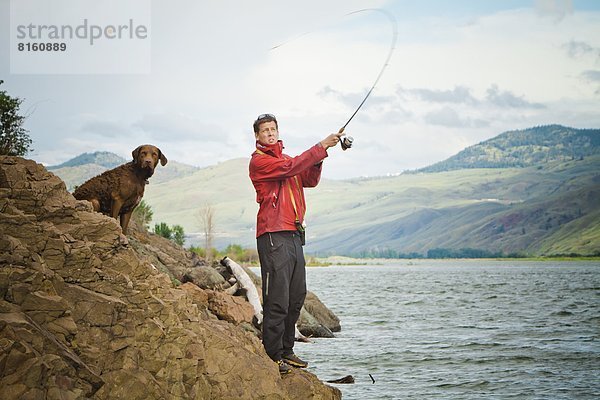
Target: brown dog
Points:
(118, 191)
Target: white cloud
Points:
(452, 81)
(593, 77)
(578, 49)
(506, 99)
(103, 127)
(460, 94)
(447, 116)
(180, 127)
(556, 9)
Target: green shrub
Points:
(143, 214)
(174, 233)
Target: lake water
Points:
(461, 330)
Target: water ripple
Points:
(457, 330)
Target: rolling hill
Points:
(543, 205)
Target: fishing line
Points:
(348, 140)
(385, 64)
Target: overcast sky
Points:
(462, 72)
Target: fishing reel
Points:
(346, 142)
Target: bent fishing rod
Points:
(346, 142)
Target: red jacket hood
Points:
(275, 149)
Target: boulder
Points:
(309, 326)
(314, 306)
(230, 308)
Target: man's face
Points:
(267, 133)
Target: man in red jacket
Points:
(279, 181)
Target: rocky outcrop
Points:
(84, 315)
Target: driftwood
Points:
(300, 337)
(346, 379)
(232, 289)
(244, 281)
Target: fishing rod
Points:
(346, 142)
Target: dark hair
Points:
(262, 118)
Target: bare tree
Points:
(206, 215)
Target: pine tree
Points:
(14, 138)
(178, 234)
(163, 230)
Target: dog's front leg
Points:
(115, 210)
(117, 204)
(125, 221)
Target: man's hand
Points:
(331, 140)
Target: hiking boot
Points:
(295, 361)
(283, 367)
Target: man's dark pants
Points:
(282, 269)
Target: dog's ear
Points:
(136, 153)
(161, 156)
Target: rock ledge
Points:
(83, 315)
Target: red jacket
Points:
(272, 174)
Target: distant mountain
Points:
(104, 159)
(525, 148)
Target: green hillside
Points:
(525, 148)
(530, 211)
(550, 207)
(551, 210)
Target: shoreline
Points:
(350, 261)
(333, 261)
